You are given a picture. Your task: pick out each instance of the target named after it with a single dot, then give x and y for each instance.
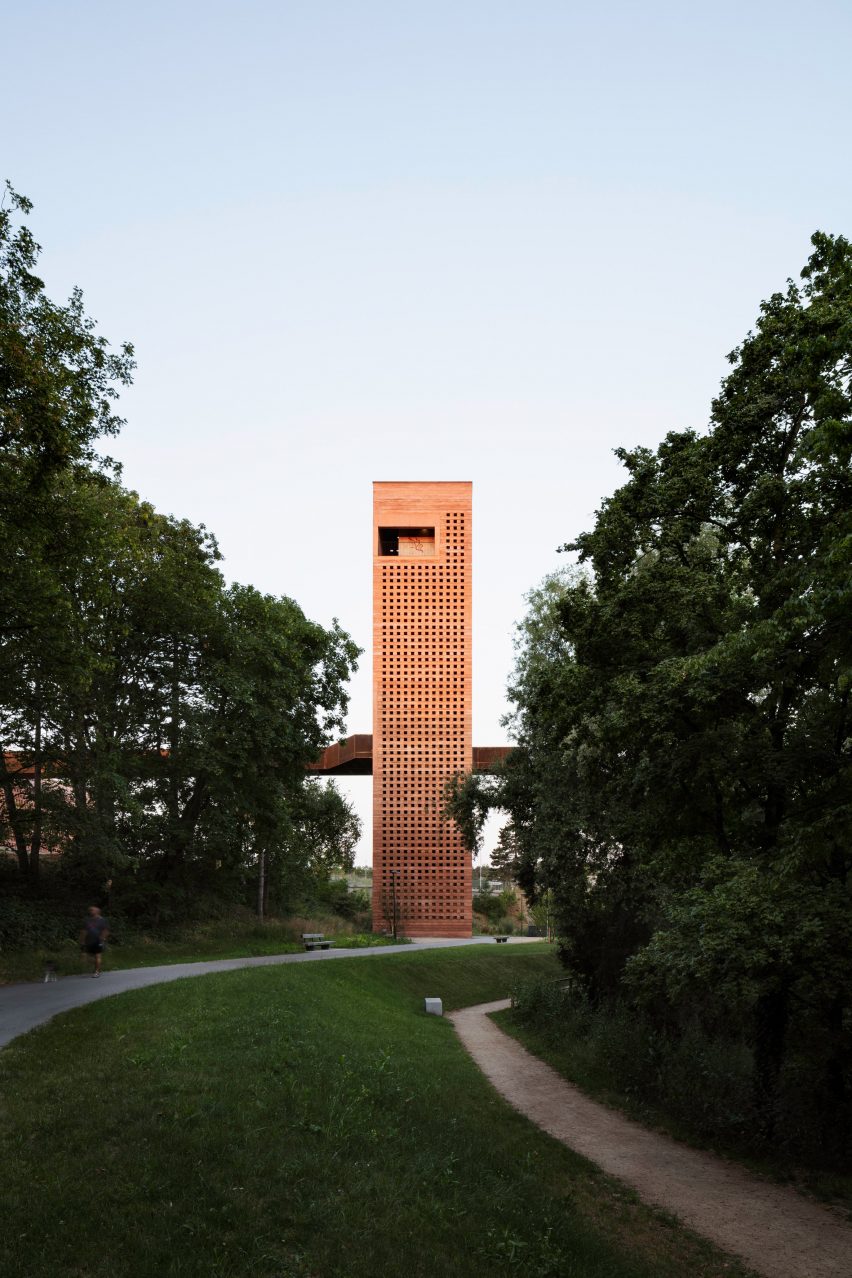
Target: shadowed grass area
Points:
(591, 1060)
(301, 1122)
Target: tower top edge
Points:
(424, 483)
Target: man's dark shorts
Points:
(94, 947)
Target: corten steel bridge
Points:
(353, 757)
(421, 707)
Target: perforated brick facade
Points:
(421, 703)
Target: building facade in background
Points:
(421, 704)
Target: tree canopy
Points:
(164, 719)
(683, 776)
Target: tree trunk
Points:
(184, 834)
(35, 843)
(174, 722)
(836, 1076)
(771, 1015)
(14, 818)
(77, 749)
(261, 883)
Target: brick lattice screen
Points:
(421, 703)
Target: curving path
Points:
(25, 1005)
(773, 1228)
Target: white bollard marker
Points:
(434, 1006)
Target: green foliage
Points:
(165, 718)
(466, 802)
(335, 894)
(542, 912)
(506, 855)
(57, 377)
(497, 909)
(683, 775)
(172, 718)
(695, 1079)
(491, 906)
(701, 1083)
(36, 924)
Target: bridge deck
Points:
(354, 757)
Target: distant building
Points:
(17, 777)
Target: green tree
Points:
(683, 779)
(506, 855)
(167, 720)
(57, 376)
(317, 838)
(58, 382)
(273, 694)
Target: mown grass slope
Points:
(300, 1122)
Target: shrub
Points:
(702, 1083)
(489, 906)
(544, 1005)
(26, 924)
(335, 895)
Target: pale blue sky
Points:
(358, 241)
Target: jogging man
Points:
(93, 936)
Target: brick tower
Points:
(421, 704)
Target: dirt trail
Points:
(773, 1228)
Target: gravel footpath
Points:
(773, 1228)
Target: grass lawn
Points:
(302, 1122)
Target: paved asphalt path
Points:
(26, 1005)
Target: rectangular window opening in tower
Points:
(407, 543)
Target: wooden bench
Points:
(501, 940)
(315, 941)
